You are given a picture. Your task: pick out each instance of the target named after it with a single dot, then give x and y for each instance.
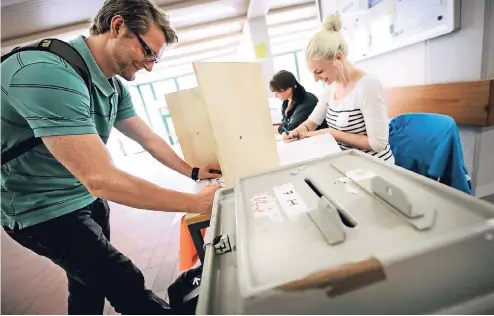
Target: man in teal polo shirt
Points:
(53, 196)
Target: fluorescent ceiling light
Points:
(304, 35)
(211, 31)
(6, 3)
(197, 12)
(293, 28)
(225, 58)
(162, 74)
(196, 57)
(202, 45)
(288, 47)
(292, 15)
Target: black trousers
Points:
(79, 242)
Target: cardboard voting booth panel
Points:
(191, 121)
(238, 109)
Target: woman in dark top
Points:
(297, 103)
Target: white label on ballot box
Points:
(265, 205)
(291, 202)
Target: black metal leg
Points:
(195, 233)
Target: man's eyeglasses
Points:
(149, 54)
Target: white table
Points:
(297, 151)
(306, 149)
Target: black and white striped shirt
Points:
(363, 111)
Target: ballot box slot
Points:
(345, 217)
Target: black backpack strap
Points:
(62, 50)
(73, 58)
(20, 149)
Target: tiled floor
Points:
(34, 285)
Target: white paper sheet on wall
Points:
(414, 16)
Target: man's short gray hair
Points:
(138, 16)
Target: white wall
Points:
(489, 39)
(467, 54)
(485, 179)
(256, 32)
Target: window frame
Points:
(297, 64)
(139, 87)
(295, 58)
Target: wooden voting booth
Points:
(226, 119)
(191, 121)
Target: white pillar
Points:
(256, 47)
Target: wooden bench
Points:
(468, 102)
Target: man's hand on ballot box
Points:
(202, 203)
(211, 171)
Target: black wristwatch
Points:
(195, 174)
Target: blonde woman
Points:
(353, 103)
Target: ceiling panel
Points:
(275, 4)
(6, 3)
(217, 29)
(46, 15)
(289, 15)
(230, 40)
(207, 29)
(287, 47)
(292, 37)
(207, 12)
(204, 55)
(304, 25)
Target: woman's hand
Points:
(314, 133)
(291, 136)
(309, 134)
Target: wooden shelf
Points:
(192, 218)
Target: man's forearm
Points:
(162, 152)
(123, 188)
(86, 157)
(135, 128)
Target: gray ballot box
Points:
(347, 234)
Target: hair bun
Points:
(332, 23)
